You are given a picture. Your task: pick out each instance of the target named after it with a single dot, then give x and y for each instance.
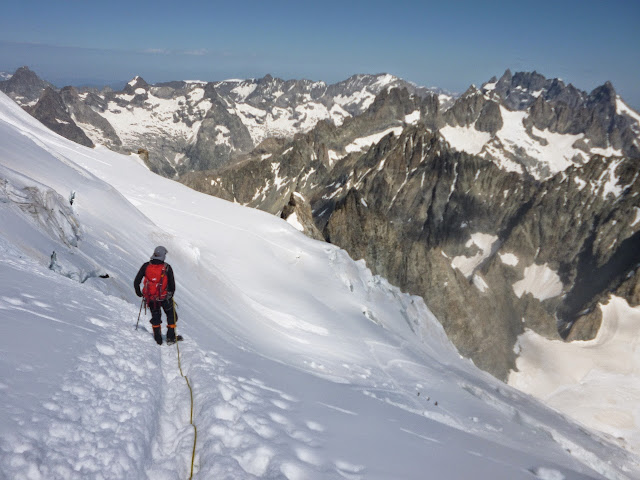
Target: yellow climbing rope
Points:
(195, 429)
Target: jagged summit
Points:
(136, 83)
(255, 109)
(24, 86)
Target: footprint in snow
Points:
(309, 456)
(280, 404)
(276, 417)
(105, 349)
(349, 470)
(293, 471)
(315, 426)
(97, 322)
(16, 302)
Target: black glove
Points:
(138, 293)
(169, 295)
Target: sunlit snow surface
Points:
(303, 365)
(485, 243)
(539, 280)
(596, 381)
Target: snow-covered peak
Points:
(196, 82)
(133, 82)
(136, 83)
(384, 80)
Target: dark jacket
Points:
(171, 283)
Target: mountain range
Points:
(513, 206)
(193, 125)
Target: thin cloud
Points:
(198, 52)
(157, 51)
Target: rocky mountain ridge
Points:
(493, 250)
(198, 125)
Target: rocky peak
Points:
(136, 83)
(397, 99)
(298, 213)
(268, 83)
(211, 92)
(603, 95)
(468, 108)
(529, 80)
(471, 91)
(503, 85)
(357, 81)
(268, 89)
(568, 95)
(24, 86)
(266, 80)
(26, 76)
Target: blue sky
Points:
(446, 44)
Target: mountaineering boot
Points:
(157, 334)
(171, 334)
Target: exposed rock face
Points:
(221, 134)
(84, 109)
(52, 112)
(564, 109)
(491, 250)
(298, 213)
(24, 86)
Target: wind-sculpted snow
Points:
(303, 364)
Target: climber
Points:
(159, 287)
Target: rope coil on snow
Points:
(195, 429)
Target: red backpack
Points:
(155, 283)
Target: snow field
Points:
(539, 280)
(466, 139)
(467, 265)
(131, 124)
(556, 155)
(596, 381)
(362, 143)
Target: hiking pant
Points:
(169, 310)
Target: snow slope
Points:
(596, 380)
(302, 364)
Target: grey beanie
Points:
(159, 253)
